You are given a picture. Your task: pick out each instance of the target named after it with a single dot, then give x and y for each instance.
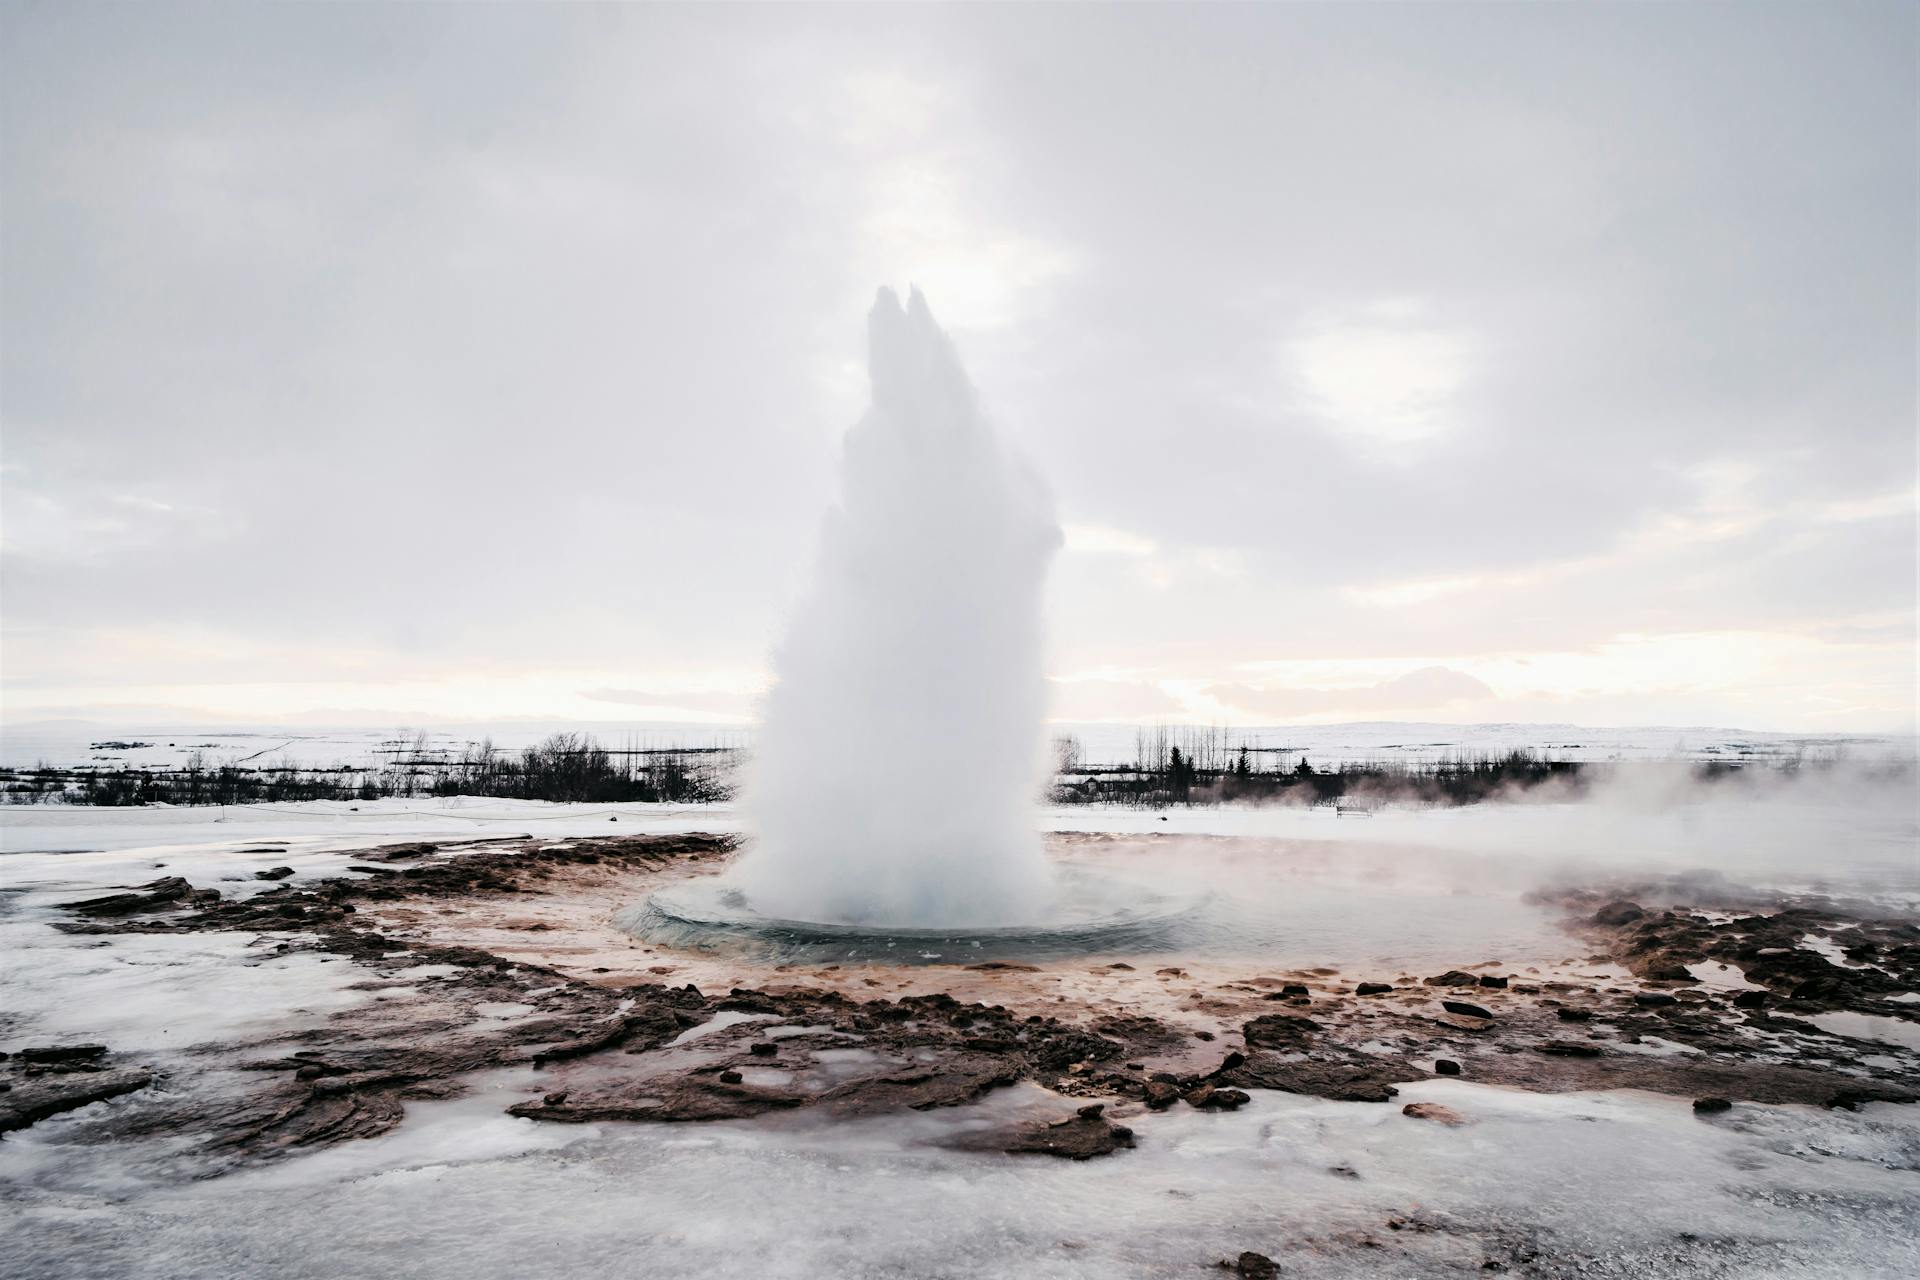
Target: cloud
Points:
(1426, 689)
(520, 368)
(719, 700)
(1093, 539)
(1120, 700)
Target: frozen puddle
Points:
(718, 1022)
(1830, 950)
(1620, 1185)
(1868, 1026)
(1715, 976)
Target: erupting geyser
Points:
(896, 772)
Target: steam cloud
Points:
(898, 764)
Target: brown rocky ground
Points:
(504, 953)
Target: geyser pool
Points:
(1373, 911)
(1086, 910)
(896, 771)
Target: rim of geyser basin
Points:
(714, 911)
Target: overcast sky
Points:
(1448, 362)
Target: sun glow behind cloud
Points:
(1381, 373)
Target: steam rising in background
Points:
(1846, 828)
(895, 775)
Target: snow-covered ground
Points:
(1593, 1184)
(328, 824)
(1622, 1185)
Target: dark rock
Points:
(730, 1077)
(1208, 1097)
(1574, 1015)
(1058, 1048)
(1654, 999)
(763, 1049)
(1373, 988)
(1453, 978)
(1750, 1000)
(1344, 1076)
(1082, 1136)
(1446, 1067)
(64, 1053)
(1489, 980)
(38, 1097)
(1433, 1111)
(1618, 913)
(992, 1044)
(1570, 1048)
(1670, 973)
(1294, 989)
(1161, 1095)
(1465, 1010)
(1279, 1030)
(273, 873)
(654, 1023)
(164, 894)
(1255, 1266)
(1708, 1106)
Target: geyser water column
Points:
(898, 764)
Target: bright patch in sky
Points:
(1381, 374)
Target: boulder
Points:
(1465, 1010)
(1433, 1111)
(1342, 1076)
(1278, 1030)
(1210, 1097)
(1085, 1134)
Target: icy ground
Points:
(1624, 1185)
(1595, 1185)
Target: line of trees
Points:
(1201, 770)
(1172, 767)
(563, 767)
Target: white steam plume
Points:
(897, 770)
